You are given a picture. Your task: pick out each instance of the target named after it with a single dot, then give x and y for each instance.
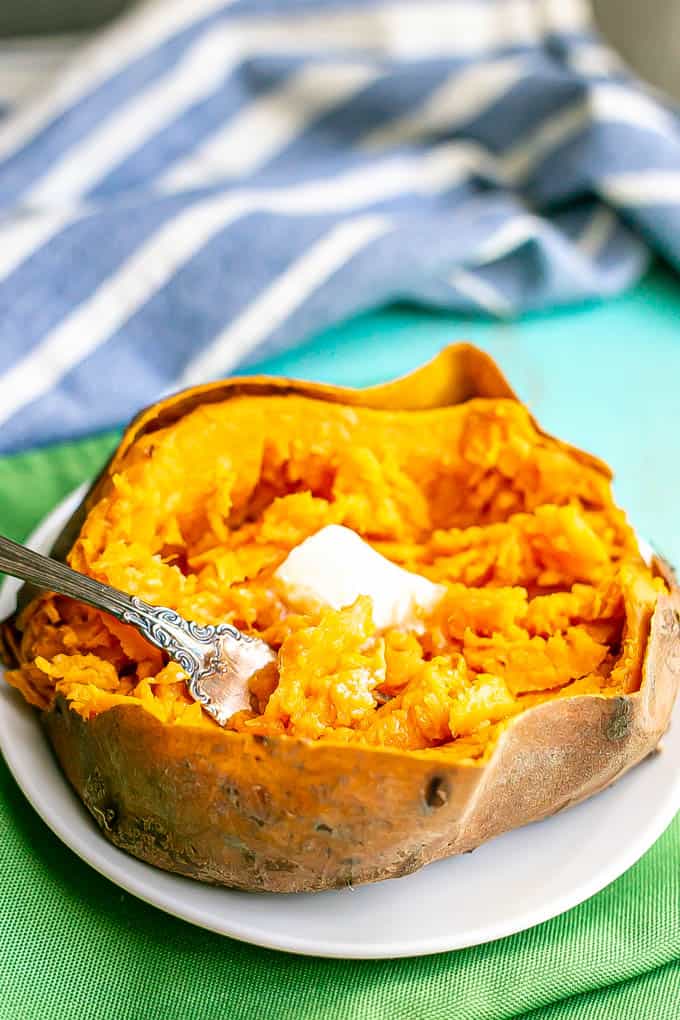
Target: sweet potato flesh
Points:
(546, 592)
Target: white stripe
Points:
(435, 170)
(92, 323)
(446, 163)
(597, 231)
(201, 70)
(429, 28)
(610, 103)
(519, 161)
(25, 234)
(145, 27)
(507, 238)
(469, 93)
(593, 59)
(648, 187)
(463, 96)
(565, 15)
(481, 292)
(605, 103)
(267, 124)
(614, 102)
(274, 305)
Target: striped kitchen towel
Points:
(209, 182)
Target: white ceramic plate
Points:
(510, 884)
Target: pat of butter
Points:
(335, 566)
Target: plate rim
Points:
(128, 872)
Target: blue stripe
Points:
(334, 135)
(66, 270)
(549, 271)
(544, 92)
(140, 359)
(197, 123)
(599, 150)
(660, 226)
(25, 166)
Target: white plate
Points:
(510, 884)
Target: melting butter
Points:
(334, 566)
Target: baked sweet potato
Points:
(547, 670)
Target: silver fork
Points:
(219, 661)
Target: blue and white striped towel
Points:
(209, 182)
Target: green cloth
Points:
(73, 945)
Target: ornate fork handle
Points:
(218, 660)
(52, 575)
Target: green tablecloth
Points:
(74, 946)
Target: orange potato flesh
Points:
(525, 537)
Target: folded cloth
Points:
(210, 182)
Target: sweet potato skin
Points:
(281, 814)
